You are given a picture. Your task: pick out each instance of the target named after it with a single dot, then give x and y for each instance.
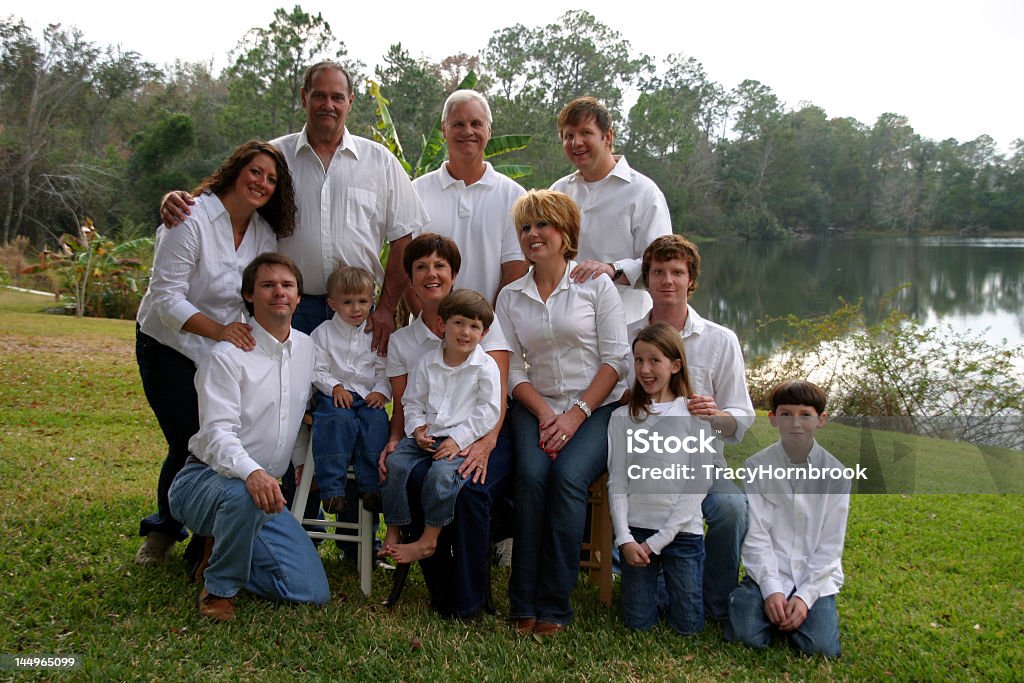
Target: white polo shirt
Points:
(478, 218)
(346, 213)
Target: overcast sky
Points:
(953, 68)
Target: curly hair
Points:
(279, 211)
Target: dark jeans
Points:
(458, 574)
(168, 379)
(683, 563)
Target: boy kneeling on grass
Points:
(794, 544)
(452, 399)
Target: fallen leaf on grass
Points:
(416, 643)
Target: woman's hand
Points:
(477, 455)
(558, 430)
(239, 334)
(382, 468)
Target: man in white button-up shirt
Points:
(352, 196)
(794, 548)
(670, 269)
(250, 407)
(621, 210)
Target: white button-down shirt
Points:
(411, 343)
(714, 361)
(346, 212)
(478, 218)
(251, 404)
(673, 512)
(461, 402)
(619, 216)
(559, 344)
(346, 358)
(196, 269)
(797, 528)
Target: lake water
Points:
(974, 285)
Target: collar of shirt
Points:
(694, 323)
(528, 286)
(346, 143)
(447, 180)
(344, 328)
(477, 357)
(213, 206)
(620, 170)
(268, 342)
(421, 331)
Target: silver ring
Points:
(564, 437)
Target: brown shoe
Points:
(524, 624)
(335, 505)
(204, 561)
(215, 607)
(547, 628)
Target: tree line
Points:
(93, 131)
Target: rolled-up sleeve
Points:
(612, 346)
(217, 442)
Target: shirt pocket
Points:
(361, 211)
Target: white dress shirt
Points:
(346, 358)
(346, 212)
(559, 344)
(797, 528)
(251, 404)
(461, 402)
(196, 269)
(414, 341)
(478, 218)
(714, 361)
(620, 215)
(675, 511)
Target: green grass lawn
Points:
(933, 588)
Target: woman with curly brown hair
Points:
(194, 301)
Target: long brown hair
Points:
(279, 211)
(666, 339)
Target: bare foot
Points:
(391, 539)
(407, 553)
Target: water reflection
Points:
(969, 284)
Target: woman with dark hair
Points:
(458, 574)
(194, 301)
(566, 371)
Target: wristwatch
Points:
(617, 267)
(582, 405)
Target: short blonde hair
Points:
(554, 208)
(350, 280)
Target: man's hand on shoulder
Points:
(174, 207)
(265, 491)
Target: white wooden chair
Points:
(359, 532)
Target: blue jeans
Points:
(269, 555)
(682, 562)
(441, 485)
(168, 381)
(748, 624)
(343, 434)
(458, 574)
(550, 512)
(725, 511)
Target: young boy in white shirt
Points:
(794, 544)
(453, 397)
(350, 425)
